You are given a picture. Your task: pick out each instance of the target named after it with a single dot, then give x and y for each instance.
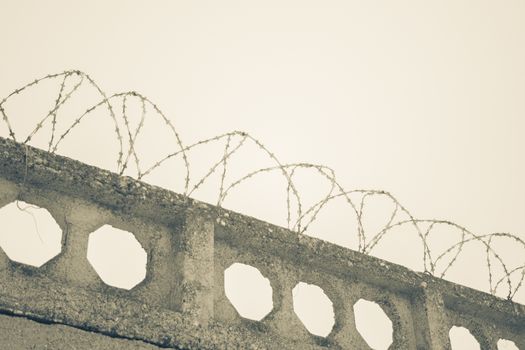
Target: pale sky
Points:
(422, 99)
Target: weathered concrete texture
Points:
(182, 304)
(18, 333)
(30, 294)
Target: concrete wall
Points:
(182, 303)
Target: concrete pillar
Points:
(195, 266)
(431, 325)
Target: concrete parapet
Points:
(182, 303)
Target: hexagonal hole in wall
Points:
(314, 308)
(29, 234)
(462, 339)
(117, 257)
(248, 290)
(505, 344)
(373, 324)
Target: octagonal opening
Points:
(505, 344)
(29, 234)
(373, 324)
(314, 308)
(248, 290)
(462, 339)
(117, 257)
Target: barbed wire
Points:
(304, 216)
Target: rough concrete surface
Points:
(18, 333)
(182, 303)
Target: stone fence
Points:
(181, 303)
